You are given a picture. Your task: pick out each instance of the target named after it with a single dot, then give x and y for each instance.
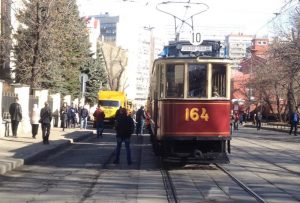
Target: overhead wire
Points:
(282, 10)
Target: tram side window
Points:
(162, 76)
(219, 80)
(174, 81)
(197, 80)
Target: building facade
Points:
(236, 45)
(108, 27)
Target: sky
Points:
(221, 17)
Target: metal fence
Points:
(7, 99)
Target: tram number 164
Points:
(194, 114)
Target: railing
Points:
(7, 99)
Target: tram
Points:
(189, 103)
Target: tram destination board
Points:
(193, 48)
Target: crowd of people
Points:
(237, 119)
(126, 123)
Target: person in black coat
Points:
(46, 117)
(15, 112)
(124, 128)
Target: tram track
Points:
(242, 185)
(265, 160)
(173, 197)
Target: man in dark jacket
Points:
(46, 117)
(15, 112)
(294, 120)
(124, 128)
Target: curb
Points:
(8, 164)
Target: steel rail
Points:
(242, 185)
(169, 186)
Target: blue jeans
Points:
(140, 127)
(127, 146)
(83, 123)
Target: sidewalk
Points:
(15, 152)
(272, 127)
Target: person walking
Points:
(140, 119)
(64, 116)
(99, 121)
(84, 113)
(46, 117)
(72, 116)
(294, 121)
(15, 112)
(34, 120)
(124, 128)
(236, 121)
(258, 120)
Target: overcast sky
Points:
(222, 16)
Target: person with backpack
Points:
(99, 120)
(294, 121)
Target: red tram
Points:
(189, 103)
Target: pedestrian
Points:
(241, 118)
(140, 119)
(46, 117)
(34, 120)
(236, 121)
(64, 116)
(148, 122)
(124, 128)
(231, 123)
(15, 112)
(84, 113)
(72, 116)
(294, 121)
(254, 119)
(99, 120)
(258, 120)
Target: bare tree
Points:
(116, 61)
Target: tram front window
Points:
(197, 80)
(219, 80)
(174, 81)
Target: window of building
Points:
(218, 80)
(174, 80)
(197, 80)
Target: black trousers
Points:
(34, 129)
(294, 125)
(46, 131)
(14, 127)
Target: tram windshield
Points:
(197, 80)
(218, 80)
(193, 80)
(174, 81)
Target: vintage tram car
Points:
(189, 103)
